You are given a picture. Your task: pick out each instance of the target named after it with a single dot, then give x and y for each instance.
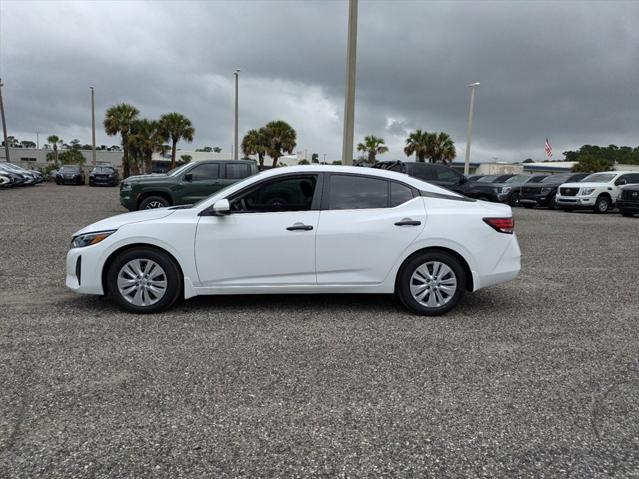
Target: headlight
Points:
(545, 190)
(504, 189)
(125, 186)
(89, 239)
(587, 191)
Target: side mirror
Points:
(188, 177)
(621, 181)
(221, 208)
(463, 180)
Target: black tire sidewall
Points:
(149, 199)
(173, 275)
(599, 200)
(513, 201)
(403, 284)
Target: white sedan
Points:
(306, 229)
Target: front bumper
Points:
(540, 199)
(84, 270)
(586, 202)
(628, 205)
(127, 199)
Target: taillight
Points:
(503, 225)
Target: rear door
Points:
(365, 225)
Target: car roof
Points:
(358, 170)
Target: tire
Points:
(626, 213)
(552, 204)
(513, 201)
(602, 205)
(151, 202)
(91, 183)
(419, 272)
(57, 182)
(165, 273)
(529, 206)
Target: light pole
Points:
(236, 145)
(4, 125)
(469, 134)
(349, 101)
(93, 125)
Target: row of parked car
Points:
(13, 175)
(74, 175)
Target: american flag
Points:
(548, 149)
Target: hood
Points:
(152, 176)
(583, 185)
(115, 222)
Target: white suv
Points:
(598, 192)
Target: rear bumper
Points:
(506, 269)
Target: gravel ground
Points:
(538, 377)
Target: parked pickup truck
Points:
(544, 192)
(183, 185)
(628, 202)
(598, 192)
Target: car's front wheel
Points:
(431, 283)
(602, 205)
(144, 280)
(514, 200)
(152, 202)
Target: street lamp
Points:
(93, 125)
(236, 145)
(472, 87)
(4, 125)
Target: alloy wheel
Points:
(433, 284)
(142, 282)
(154, 204)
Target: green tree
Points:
(280, 138)
(625, 155)
(184, 159)
(175, 127)
(255, 143)
(592, 164)
(372, 146)
(336, 162)
(303, 162)
(528, 160)
(72, 156)
(118, 120)
(55, 141)
(419, 143)
(143, 140)
(443, 148)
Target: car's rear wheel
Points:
(152, 202)
(144, 280)
(602, 205)
(431, 283)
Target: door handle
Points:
(300, 227)
(408, 222)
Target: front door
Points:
(365, 225)
(268, 240)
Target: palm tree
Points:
(142, 142)
(420, 143)
(175, 127)
(118, 119)
(254, 143)
(280, 138)
(55, 141)
(372, 147)
(443, 148)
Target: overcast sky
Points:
(568, 71)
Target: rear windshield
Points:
(517, 179)
(70, 168)
(599, 178)
(487, 179)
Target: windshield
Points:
(599, 178)
(517, 179)
(222, 193)
(103, 169)
(178, 170)
(487, 179)
(556, 179)
(70, 168)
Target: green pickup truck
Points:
(183, 185)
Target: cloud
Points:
(567, 71)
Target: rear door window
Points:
(237, 171)
(399, 194)
(207, 171)
(349, 192)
